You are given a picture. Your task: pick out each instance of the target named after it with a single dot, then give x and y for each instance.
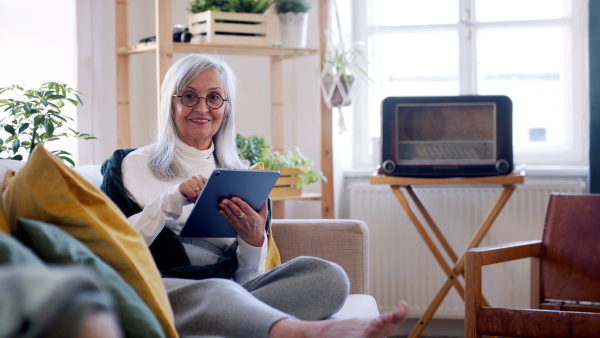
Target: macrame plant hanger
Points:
(336, 90)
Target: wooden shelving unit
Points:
(164, 48)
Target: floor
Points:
(447, 328)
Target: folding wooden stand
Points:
(508, 184)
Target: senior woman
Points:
(159, 184)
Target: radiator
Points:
(403, 268)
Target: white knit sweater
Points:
(162, 203)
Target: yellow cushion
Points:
(47, 190)
(8, 175)
(273, 257)
(4, 227)
(257, 166)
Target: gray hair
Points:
(184, 71)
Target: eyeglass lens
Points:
(191, 99)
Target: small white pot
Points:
(293, 29)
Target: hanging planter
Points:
(337, 89)
(339, 69)
(337, 93)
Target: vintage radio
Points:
(446, 136)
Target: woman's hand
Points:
(249, 224)
(192, 187)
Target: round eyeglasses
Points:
(191, 99)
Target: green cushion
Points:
(51, 302)
(55, 246)
(12, 252)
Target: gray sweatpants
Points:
(306, 288)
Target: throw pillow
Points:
(273, 257)
(4, 227)
(54, 246)
(7, 170)
(12, 252)
(7, 165)
(47, 190)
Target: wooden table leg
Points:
(452, 280)
(485, 226)
(458, 268)
(426, 238)
(426, 317)
(432, 225)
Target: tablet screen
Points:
(252, 186)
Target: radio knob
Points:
(502, 165)
(388, 166)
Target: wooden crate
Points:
(226, 28)
(286, 184)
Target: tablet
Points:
(252, 186)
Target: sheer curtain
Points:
(96, 78)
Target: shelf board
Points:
(307, 196)
(180, 47)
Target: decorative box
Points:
(226, 28)
(286, 184)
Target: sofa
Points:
(90, 219)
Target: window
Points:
(39, 49)
(533, 51)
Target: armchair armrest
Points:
(345, 242)
(476, 258)
(504, 252)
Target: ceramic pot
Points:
(293, 29)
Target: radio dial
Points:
(388, 166)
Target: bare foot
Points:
(382, 326)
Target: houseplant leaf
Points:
(35, 115)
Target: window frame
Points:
(366, 150)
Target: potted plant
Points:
(238, 6)
(340, 68)
(33, 116)
(243, 22)
(295, 168)
(341, 65)
(293, 20)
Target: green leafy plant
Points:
(254, 150)
(238, 6)
(347, 61)
(251, 148)
(33, 116)
(294, 6)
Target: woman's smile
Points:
(199, 120)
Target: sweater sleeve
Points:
(251, 261)
(167, 207)
(160, 201)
